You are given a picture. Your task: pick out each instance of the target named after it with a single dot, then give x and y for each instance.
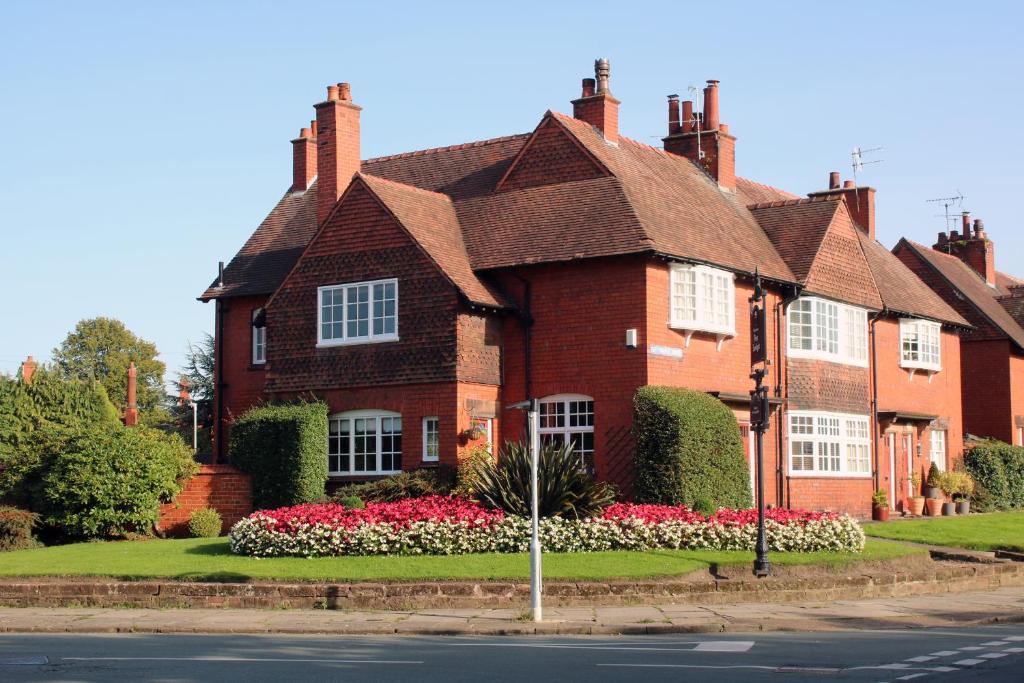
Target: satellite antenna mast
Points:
(698, 96)
(858, 160)
(946, 203)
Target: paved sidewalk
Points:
(1000, 605)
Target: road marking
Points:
(969, 662)
(725, 646)
(944, 653)
(1014, 649)
(993, 655)
(1014, 638)
(893, 666)
(971, 648)
(707, 646)
(787, 669)
(24, 661)
(213, 658)
(993, 643)
(922, 658)
(911, 677)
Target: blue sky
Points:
(143, 142)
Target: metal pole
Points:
(533, 416)
(762, 567)
(195, 428)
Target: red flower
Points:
(399, 514)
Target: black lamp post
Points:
(759, 415)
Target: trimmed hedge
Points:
(16, 529)
(998, 472)
(689, 449)
(283, 447)
(205, 523)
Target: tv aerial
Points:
(947, 202)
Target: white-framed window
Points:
(702, 299)
(431, 439)
(569, 418)
(920, 344)
(828, 330)
(364, 442)
(829, 444)
(937, 447)
(259, 338)
(357, 313)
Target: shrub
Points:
(705, 507)
(410, 484)
(453, 526)
(106, 481)
(688, 447)
(466, 477)
(205, 523)
(16, 528)
(284, 449)
(934, 476)
(352, 503)
(984, 463)
(1013, 468)
(564, 488)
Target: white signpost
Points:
(532, 407)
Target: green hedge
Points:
(998, 472)
(689, 449)
(283, 447)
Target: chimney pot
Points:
(711, 105)
(602, 70)
(673, 114)
(833, 180)
(687, 122)
(979, 228)
(332, 93)
(28, 368)
(305, 133)
(942, 238)
(954, 235)
(312, 127)
(600, 108)
(588, 87)
(848, 184)
(965, 220)
(337, 147)
(345, 92)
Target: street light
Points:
(532, 407)
(759, 413)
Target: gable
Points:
(839, 269)
(551, 156)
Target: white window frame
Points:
(431, 426)
(346, 339)
(833, 331)
(378, 417)
(563, 405)
(837, 444)
(927, 336)
(937, 448)
(712, 297)
(259, 340)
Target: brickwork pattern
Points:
(551, 156)
(221, 487)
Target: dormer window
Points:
(357, 313)
(920, 345)
(702, 300)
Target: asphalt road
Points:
(984, 653)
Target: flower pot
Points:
(917, 505)
(963, 507)
(948, 509)
(934, 506)
(880, 514)
(933, 492)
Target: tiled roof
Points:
(754, 193)
(969, 284)
(430, 219)
(901, 290)
(1014, 304)
(796, 227)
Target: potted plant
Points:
(965, 490)
(880, 506)
(916, 500)
(949, 482)
(933, 482)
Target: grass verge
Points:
(210, 559)
(991, 531)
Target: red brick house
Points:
(421, 293)
(960, 267)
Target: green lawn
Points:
(210, 559)
(993, 531)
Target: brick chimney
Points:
(337, 143)
(304, 158)
(597, 106)
(131, 413)
(860, 201)
(717, 148)
(972, 247)
(28, 368)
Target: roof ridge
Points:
(792, 202)
(448, 148)
(767, 186)
(405, 186)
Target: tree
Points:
(101, 349)
(197, 372)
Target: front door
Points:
(890, 441)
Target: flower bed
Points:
(438, 525)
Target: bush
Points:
(410, 484)
(688, 448)
(205, 523)
(985, 463)
(352, 503)
(16, 529)
(564, 488)
(705, 507)
(284, 449)
(105, 481)
(466, 477)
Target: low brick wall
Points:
(848, 584)
(222, 487)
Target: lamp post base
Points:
(762, 567)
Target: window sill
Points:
(812, 355)
(829, 475)
(927, 367)
(350, 475)
(356, 342)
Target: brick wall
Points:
(221, 487)
(479, 347)
(987, 389)
(241, 383)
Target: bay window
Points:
(702, 299)
(828, 330)
(920, 344)
(829, 444)
(359, 312)
(364, 442)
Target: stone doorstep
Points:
(468, 594)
